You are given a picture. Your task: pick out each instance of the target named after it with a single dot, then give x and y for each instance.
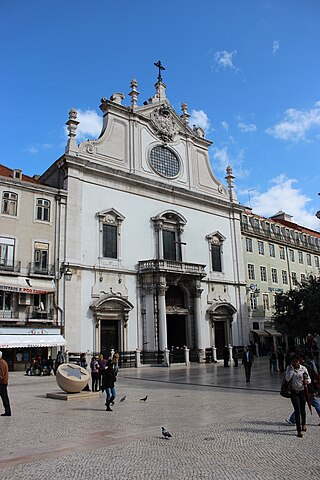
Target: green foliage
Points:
(297, 311)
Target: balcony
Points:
(171, 266)
(36, 269)
(10, 267)
(31, 314)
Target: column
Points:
(197, 321)
(214, 349)
(162, 317)
(149, 324)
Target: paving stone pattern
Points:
(222, 428)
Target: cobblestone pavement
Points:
(222, 428)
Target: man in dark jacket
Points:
(109, 379)
(4, 378)
(247, 361)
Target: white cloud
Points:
(222, 158)
(90, 124)
(282, 195)
(36, 147)
(275, 46)
(225, 125)
(249, 127)
(296, 124)
(223, 60)
(200, 118)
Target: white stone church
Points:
(151, 237)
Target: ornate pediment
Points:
(162, 120)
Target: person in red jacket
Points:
(4, 378)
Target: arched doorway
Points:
(221, 316)
(111, 319)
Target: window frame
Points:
(272, 250)
(12, 203)
(251, 272)
(110, 217)
(249, 245)
(43, 210)
(7, 252)
(284, 275)
(263, 274)
(216, 241)
(274, 275)
(260, 247)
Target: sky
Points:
(248, 69)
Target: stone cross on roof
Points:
(160, 67)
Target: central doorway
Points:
(176, 331)
(109, 337)
(220, 336)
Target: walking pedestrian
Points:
(273, 360)
(235, 355)
(299, 377)
(315, 402)
(115, 361)
(247, 361)
(226, 356)
(59, 360)
(4, 379)
(84, 364)
(102, 366)
(109, 379)
(94, 367)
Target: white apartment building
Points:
(152, 238)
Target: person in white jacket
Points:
(299, 377)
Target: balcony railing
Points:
(10, 267)
(33, 313)
(36, 269)
(171, 266)
(270, 235)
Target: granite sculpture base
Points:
(72, 396)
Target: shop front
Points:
(21, 345)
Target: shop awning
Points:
(261, 333)
(16, 341)
(272, 332)
(26, 285)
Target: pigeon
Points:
(165, 433)
(144, 398)
(123, 398)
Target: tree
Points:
(297, 311)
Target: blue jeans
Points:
(111, 392)
(315, 402)
(298, 400)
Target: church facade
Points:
(151, 237)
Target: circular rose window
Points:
(164, 162)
